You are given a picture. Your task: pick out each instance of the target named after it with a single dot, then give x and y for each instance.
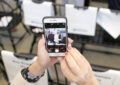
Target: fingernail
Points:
(60, 59)
(69, 47)
(42, 36)
(66, 53)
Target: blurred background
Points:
(20, 31)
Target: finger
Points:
(74, 67)
(84, 59)
(60, 58)
(42, 41)
(70, 41)
(79, 53)
(66, 71)
(53, 61)
(76, 56)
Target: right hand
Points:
(77, 69)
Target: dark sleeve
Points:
(114, 4)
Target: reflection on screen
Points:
(55, 34)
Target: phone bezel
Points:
(61, 54)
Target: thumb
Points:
(42, 41)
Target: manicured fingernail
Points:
(66, 53)
(69, 47)
(60, 59)
(42, 36)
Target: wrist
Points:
(29, 77)
(92, 81)
(36, 69)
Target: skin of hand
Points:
(76, 68)
(43, 61)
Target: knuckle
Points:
(73, 67)
(75, 80)
(63, 67)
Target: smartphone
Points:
(56, 33)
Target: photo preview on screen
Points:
(55, 34)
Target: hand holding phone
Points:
(55, 32)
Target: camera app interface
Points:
(55, 34)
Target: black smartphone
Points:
(56, 33)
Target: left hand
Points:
(43, 61)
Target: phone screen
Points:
(56, 37)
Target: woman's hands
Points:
(74, 66)
(43, 61)
(77, 69)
